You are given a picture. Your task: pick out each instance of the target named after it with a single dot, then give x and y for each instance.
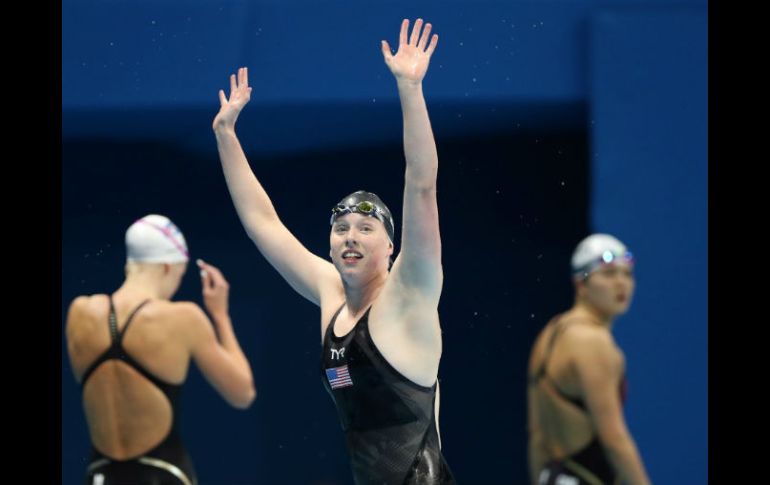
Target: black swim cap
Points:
(368, 204)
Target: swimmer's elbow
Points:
(613, 438)
(245, 399)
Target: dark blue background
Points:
(553, 120)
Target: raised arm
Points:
(304, 271)
(418, 266)
(599, 367)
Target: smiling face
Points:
(359, 247)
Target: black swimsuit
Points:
(388, 420)
(166, 464)
(589, 465)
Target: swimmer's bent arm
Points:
(599, 367)
(221, 363)
(305, 272)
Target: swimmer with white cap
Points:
(130, 351)
(577, 385)
(155, 239)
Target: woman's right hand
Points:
(216, 290)
(229, 109)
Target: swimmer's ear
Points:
(580, 286)
(166, 268)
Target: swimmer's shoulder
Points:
(86, 307)
(187, 316)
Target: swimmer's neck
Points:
(588, 312)
(141, 287)
(358, 297)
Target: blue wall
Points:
(649, 159)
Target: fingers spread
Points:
(415, 32)
(424, 37)
(404, 30)
(432, 45)
(386, 53)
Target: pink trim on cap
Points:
(167, 232)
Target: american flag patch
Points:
(339, 377)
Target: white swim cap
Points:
(597, 250)
(155, 239)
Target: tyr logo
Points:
(338, 354)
